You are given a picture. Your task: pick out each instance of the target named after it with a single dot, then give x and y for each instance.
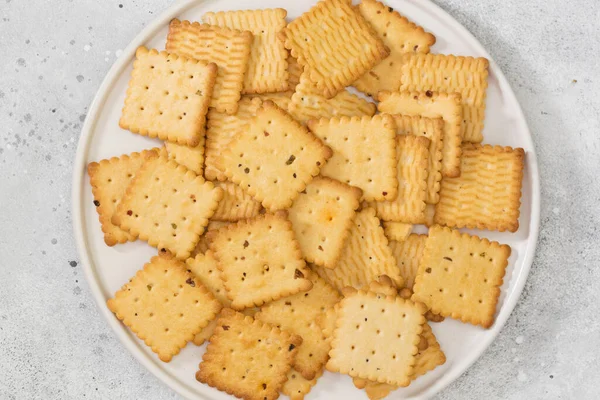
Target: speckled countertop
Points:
(55, 345)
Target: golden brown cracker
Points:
(190, 157)
(281, 99)
(202, 245)
(296, 386)
(408, 254)
(236, 204)
(294, 73)
(397, 230)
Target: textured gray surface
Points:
(53, 342)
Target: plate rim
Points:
(79, 170)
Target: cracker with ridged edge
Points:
(281, 99)
(236, 204)
(334, 44)
(229, 49)
(307, 103)
(274, 159)
(267, 67)
(432, 129)
(164, 305)
(296, 386)
(167, 205)
(365, 257)
(400, 35)
(412, 154)
(447, 74)
(321, 217)
(364, 153)
(168, 96)
(408, 254)
(190, 157)
(431, 105)
(487, 194)
(109, 179)
(298, 314)
(221, 129)
(247, 358)
(376, 337)
(260, 261)
(398, 231)
(295, 70)
(460, 275)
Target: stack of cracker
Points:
(282, 205)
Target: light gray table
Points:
(55, 345)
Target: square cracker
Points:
(308, 103)
(408, 254)
(431, 105)
(376, 337)
(447, 74)
(247, 358)
(190, 157)
(236, 204)
(432, 129)
(296, 386)
(487, 194)
(274, 159)
(168, 96)
(397, 230)
(364, 153)
(267, 68)
(164, 305)
(460, 275)
(321, 217)
(365, 257)
(400, 35)
(167, 205)
(221, 129)
(334, 44)
(260, 261)
(229, 49)
(412, 154)
(109, 180)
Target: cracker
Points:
(297, 314)
(247, 358)
(307, 103)
(190, 157)
(281, 99)
(432, 129)
(321, 217)
(447, 74)
(167, 205)
(487, 194)
(296, 386)
(408, 254)
(334, 44)
(168, 96)
(236, 204)
(397, 230)
(164, 305)
(221, 129)
(294, 73)
(365, 256)
(383, 285)
(202, 245)
(267, 67)
(431, 105)
(229, 49)
(460, 275)
(274, 159)
(260, 261)
(400, 35)
(109, 179)
(364, 153)
(376, 337)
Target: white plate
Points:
(108, 268)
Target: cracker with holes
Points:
(274, 159)
(376, 337)
(164, 305)
(451, 74)
(229, 49)
(109, 179)
(364, 153)
(298, 314)
(487, 194)
(431, 105)
(236, 204)
(412, 154)
(397, 230)
(167, 205)
(247, 358)
(190, 157)
(321, 217)
(260, 261)
(334, 44)
(267, 67)
(168, 97)
(408, 254)
(460, 276)
(400, 35)
(296, 386)
(365, 257)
